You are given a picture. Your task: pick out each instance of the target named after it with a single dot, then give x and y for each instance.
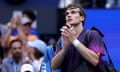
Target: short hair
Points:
(30, 14)
(16, 40)
(73, 6)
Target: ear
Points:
(82, 18)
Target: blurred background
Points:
(103, 14)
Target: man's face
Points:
(26, 28)
(16, 49)
(26, 24)
(73, 16)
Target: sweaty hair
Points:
(30, 14)
(74, 6)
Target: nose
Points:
(69, 14)
(17, 50)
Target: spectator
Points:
(64, 3)
(113, 4)
(31, 19)
(27, 68)
(86, 3)
(23, 27)
(13, 63)
(31, 15)
(101, 3)
(36, 53)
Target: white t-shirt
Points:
(37, 64)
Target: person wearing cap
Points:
(31, 15)
(23, 25)
(27, 68)
(30, 18)
(36, 53)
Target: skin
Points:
(26, 29)
(22, 32)
(17, 50)
(70, 32)
(31, 52)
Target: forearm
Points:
(58, 59)
(23, 38)
(21, 34)
(88, 54)
(5, 38)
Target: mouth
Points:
(69, 20)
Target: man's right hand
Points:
(65, 39)
(18, 21)
(12, 23)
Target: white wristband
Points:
(76, 42)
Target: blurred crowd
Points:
(21, 48)
(91, 3)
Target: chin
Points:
(70, 23)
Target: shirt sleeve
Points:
(96, 43)
(4, 65)
(37, 64)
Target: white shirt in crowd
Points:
(64, 3)
(37, 64)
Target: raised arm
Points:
(61, 52)
(93, 51)
(6, 37)
(21, 35)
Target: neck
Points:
(26, 34)
(17, 60)
(78, 28)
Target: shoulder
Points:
(7, 60)
(93, 33)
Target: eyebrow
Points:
(70, 11)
